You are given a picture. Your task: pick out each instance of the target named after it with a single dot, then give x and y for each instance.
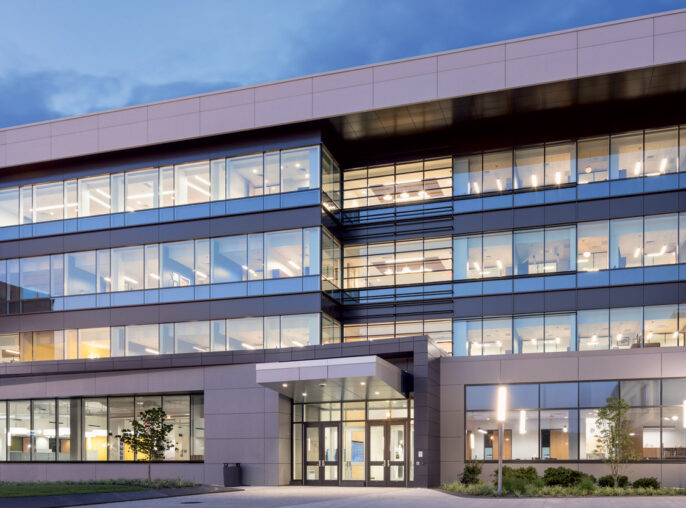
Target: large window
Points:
(401, 262)
(296, 330)
(402, 183)
(567, 413)
(182, 184)
(86, 429)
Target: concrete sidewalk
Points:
(375, 497)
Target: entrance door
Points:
(387, 464)
(321, 453)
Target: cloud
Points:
(38, 96)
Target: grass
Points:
(26, 489)
(529, 490)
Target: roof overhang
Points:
(336, 379)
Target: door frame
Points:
(321, 463)
(387, 460)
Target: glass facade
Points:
(583, 330)
(397, 183)
(438, 330)
(86, 429)
(557, 421)
(32, 282)
(235, 334)
(182, 184)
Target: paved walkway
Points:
(334, 497)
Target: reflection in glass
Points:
(560, 163)
(661, 326)
(178, 263)
(593, 159)
(528, 167)
(79, 273)
(94, 196)
(142, 189)
(593, 241)
(192, 183)
(48, 201)
(593, 327)
(497, 172)
(626, 327)
(626, 242)
(528, 252)
(626, 156)
(661, 151)
(660, 240)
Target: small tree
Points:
(613, 431)
(148, 436)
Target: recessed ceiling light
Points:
(304, 394)
(285, 385)
(376, 393)
(362, 383)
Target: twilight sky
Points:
(67, 57)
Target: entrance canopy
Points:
(335, 379)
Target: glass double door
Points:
(322, 442)
(387, 447)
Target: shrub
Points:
(562, 476)
(471, 472)
(514, 485)
(528, 474)
(608, 481)
(646, 483)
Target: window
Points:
(626, 327)
(626, 242)
(644, 392)
(178, 264)
(311, 251)
(645, 435)
(593, 246)
(43, 446)
(497, 255)
(94, 343)
(94, 196)
(9, 347)
(593, 329)
(95, 429)
(283, 253)
(661, 151)
(560, 332)
(593, 159)
(272, 172)
(661, 327)
(626, 156)
(127, 268)
(120, 416)
(229, 259)
(497, 172)
(468, 257)
(559, 433)
(9, 207)
(49, 202)
(245, 333)
(560, 249)
(331, 261)
(142, 340)
(528, 252)
(560, 163)
(19, 435)
(596, 393)
(178, 409)
(48, 345)
(68, 429)
(528, 167)
(34, 276)
(192, 337)
(299, 169)
(300, 330)
(557, 395)
(245, 176)
(660, 240)
(80, 273)
(192, 183)
(497, 336)
(528, 334)
(467, 175)
(142, 190)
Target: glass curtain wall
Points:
(295, 330)
(86, 429)
(567, 414)
(182, 184)
(584, 330)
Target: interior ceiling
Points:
(439, 115)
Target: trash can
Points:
(232, 475)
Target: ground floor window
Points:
(557, 421)
(86, 429)
(366, 442)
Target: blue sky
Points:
(68, 57)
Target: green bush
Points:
(514, 485)
(471, 472)
(562, 476)
(608, 481)
(528, 474)
(646, 483)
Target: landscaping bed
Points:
(31, 489)
(555, 482)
